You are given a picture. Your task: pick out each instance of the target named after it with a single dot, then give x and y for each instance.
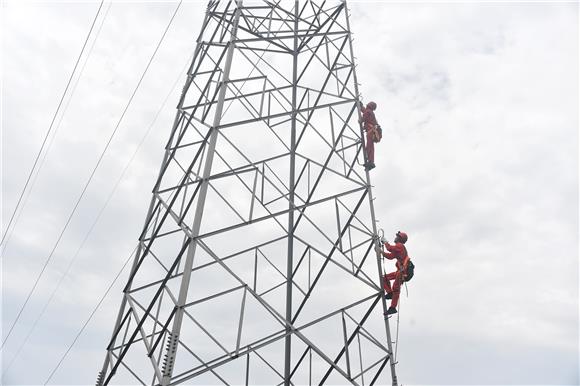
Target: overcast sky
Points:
(478, 163)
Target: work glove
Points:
(384, 240)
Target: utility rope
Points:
(51, 123)
(91, 176)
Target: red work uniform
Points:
(399, 252)
(369, 122)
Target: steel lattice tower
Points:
(256, 263)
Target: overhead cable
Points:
(75, 256)
(90, 177)
(89, 318)
(51, 124)
(6, 238)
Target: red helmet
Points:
(372, 106)
(402, 236)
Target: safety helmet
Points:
(402, 236)
(372, 106)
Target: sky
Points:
(479, 103)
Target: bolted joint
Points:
(169, 358)
(100, 377)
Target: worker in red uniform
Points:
(370, 124)
(399, 252)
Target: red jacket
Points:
(368, 118)
(399, 252)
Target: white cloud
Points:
(479, 163)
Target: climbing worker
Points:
(373, 131)
(399, 252)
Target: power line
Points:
(51, 123)
(89, 318)
(75, 256)
(10, 232)
(91, 176)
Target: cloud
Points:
(479, 164)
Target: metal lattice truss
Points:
(256, 263)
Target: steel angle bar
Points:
(357, 246)
(261, 38)
(300, 260)
(342, 149)
(368, 282)
(126, 319)
(278, 115)
(304, 168)
(205, 331)
(283, 47)
(216, 295)
(280, 272)
(214, 363)
(314, 17)
(269, 65)
(360, 358)
(367, 230)
(151, 211)
(137, 340)
(379, 372)
(331, 170)
(162, 332)
(319, 176)
(359, 268)
(164, 168)
(129, 370)
(227, 202)
(331, 19)
(299, 362)
(142, 242)
(210, 263)
(175, 217)
(334, 313)
(272, 289)
(327, 259)
(316, 102)
(274, 313)
(384, 360)
(346, 344)
(204, 363)
(144, 338)
(159, 261)
(285, 11)
(268, 364)
(254, 194)
(372, 210)
(352, 336)
(135, 332)
(367, 334)
(275, 214)
(241, 323)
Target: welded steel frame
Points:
(152, 329)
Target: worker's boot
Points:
(389, 295)
(391, 311)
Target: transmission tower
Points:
(256, 263)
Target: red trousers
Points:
(396, 290)
(370, 148)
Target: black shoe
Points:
(391, 310)
(369, 166)
(389, 295)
